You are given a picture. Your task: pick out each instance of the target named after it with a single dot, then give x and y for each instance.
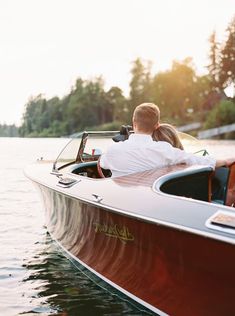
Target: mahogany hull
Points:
(169, 270)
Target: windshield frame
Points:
(78, 157)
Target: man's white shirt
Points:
(139, 153)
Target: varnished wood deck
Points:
(148, 177)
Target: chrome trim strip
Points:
(220, 228)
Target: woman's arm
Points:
(224, 162)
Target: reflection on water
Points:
(57, 287)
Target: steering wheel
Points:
(103, 173)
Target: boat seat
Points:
(230, 196)
(219, 185)
(195, 185)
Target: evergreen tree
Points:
(140, 84)
(213, 67)
(227, 65)
(119, 105)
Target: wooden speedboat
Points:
(163, 237)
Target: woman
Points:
(167, 133)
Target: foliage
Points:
(119, 104)
(213, 67)
(227, 65)
(112, 126)
(86, 106)
(8, 130)
(140, 84)
(178, 92)
(222, 114)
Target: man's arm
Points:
(104, 162)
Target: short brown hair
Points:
(146, 116)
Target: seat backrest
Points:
(219, 185)
(196, 186)
(230, 197)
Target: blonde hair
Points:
(146, 116)
(166, 132)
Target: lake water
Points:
(35, 277)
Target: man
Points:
(139, 152)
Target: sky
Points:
(45, 45)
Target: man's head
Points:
(146, 118)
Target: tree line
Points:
(182, 95)
(8, 130)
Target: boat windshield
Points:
(68, 153)
(86, 146)
(192, 144)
